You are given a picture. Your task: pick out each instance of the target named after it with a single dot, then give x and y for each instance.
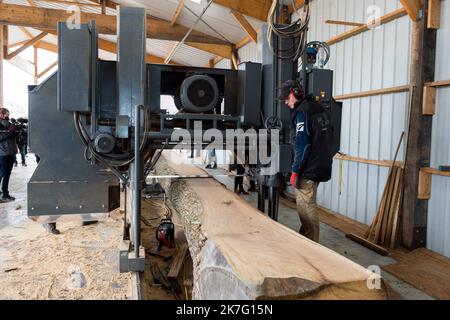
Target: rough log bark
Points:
(239, 253)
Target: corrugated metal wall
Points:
(439, 204)
(371, 127)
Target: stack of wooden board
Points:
(382, 233)
(383, 230)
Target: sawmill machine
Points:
(99, 126)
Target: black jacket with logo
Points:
(312, 139)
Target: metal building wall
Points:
(438, 235)
(371, 126)
(249, 52)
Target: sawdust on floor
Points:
(36, 265)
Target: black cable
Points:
(295, 31)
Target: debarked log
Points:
(239, 253)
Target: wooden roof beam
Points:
(258, 9)
(298, 5)
(28, 44)
(50, 67)
(43, 18)
(243, 22)
(177, 12)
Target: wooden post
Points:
(423, 55)
(35, 65)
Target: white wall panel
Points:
(439, 205)
(371, 126)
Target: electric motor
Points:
(199, 93)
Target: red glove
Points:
(295, 181)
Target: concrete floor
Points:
(80, 263)
(24, 245)
(336, 240)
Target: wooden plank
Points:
(248, 255)
(370, 93)
(437, 172)
(381, 163)
(50, 67)
(44, 18)
(246, 26)
(177, 262)
(380, 229)
(28, 44)
(234, 61)
(297, 5)
(429, 101)
(425, 270)
(368, 244)
(434, 14)
(412, 7)
(69, 3)
(358, 30)
(35, 65)
(223, 51)
(258, 9)
(391, 213)
(424, 192)
(395, 222)
(177, 12)
(345, 23)
(444, 83)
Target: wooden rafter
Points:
(177, 12)
(50, 67)
(73, 3)
(412, 7)
(243, 42)
(243, 22)
(170, 54)
(258, 9)
(36, 63)
(43, 18)
(28, 44)
(298, 5)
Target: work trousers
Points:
(6, 165)
(307, 209)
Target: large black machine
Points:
(99, 126)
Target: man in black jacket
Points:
(8, 150)
(312, 136)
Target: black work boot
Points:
(51, 228)
(7, 198)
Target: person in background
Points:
(8, 150)
(212, 160)
(239, 180)
(22, 140)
